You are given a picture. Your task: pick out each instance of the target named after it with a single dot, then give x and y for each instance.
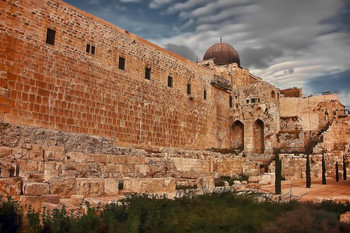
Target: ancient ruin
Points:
(89, 110)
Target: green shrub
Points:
(10, 216)
(304, 220)
(33, 218)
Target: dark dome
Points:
(223, 54)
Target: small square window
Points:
(205, 94)
(50, 36)
(88, 48)
(121, 64)
(92, 50)
(170, 81)
(247, 101)
(147, 73)
(188, 89)
(253, 101)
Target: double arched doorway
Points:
(258, 142)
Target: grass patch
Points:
(217, 212)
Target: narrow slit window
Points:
(188, 89)
(205, 94)
(121, 64)
(92, 50)
(147, 73)
(170, 81)
(230, 101)
(88, 48)
(50, 36)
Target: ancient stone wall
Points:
(39, 165)
(292, 92)
(294, 166)
(62, 87)
(253, 103)
(290, 138)
(316, 112)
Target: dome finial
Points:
(220, 38)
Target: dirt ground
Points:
(338, 191)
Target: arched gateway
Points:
(238, 134)
(258, 137)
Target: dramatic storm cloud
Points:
(286, 42)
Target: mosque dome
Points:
(223, 54)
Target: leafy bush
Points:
(304, 220)
(217, 212)
(10, 216)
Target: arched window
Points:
(238, 134)
(273, 95)
(258, 131)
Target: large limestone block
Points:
(63, 187)
(149, 185)
(10, 187)
(51, 198)
(33, 202)
(111, 186)
(90, 187)
(206, 183)
(54, 153)
(345, 218)
(36, 189)
(5, 151)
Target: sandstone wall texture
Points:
(62, 87)
(314, 111)
(46, 166)
(90, 112)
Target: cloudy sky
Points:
(289, 43)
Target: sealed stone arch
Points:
(258, 138)
(273, 95)
(238, 134)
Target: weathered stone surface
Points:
(36, 189)
(50, 206)
(51, 198)
(345, 217)
(149, 185)
(63, 187)
(206, 183)
(90, 187)
(31, 201)
(11, 187)
(111, 186)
